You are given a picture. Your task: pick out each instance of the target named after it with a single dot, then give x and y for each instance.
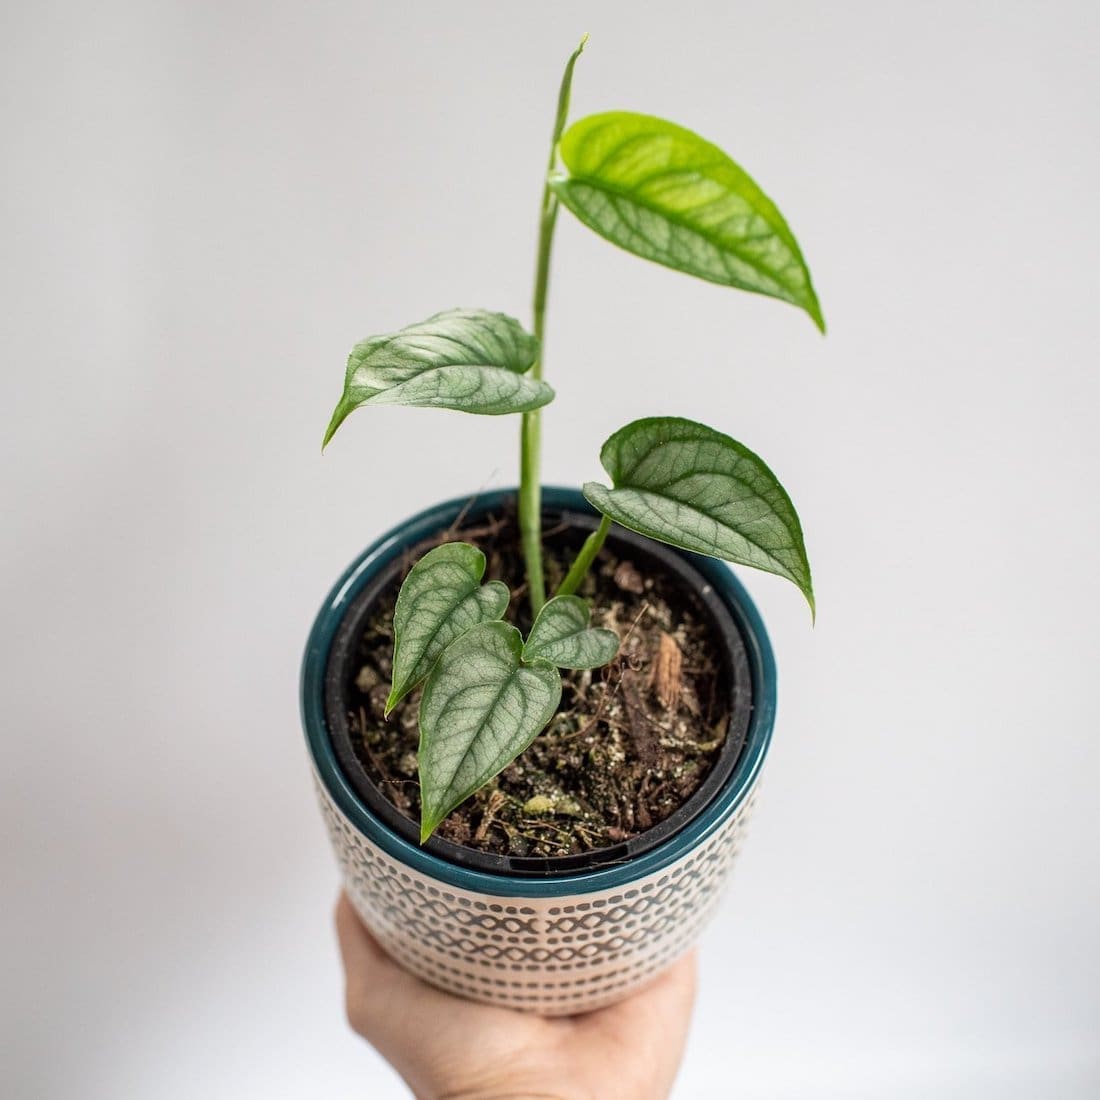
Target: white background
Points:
(205, 204)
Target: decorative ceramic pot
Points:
(554, 936)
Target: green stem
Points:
(530, 486)
(584, 559)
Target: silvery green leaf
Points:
(464, 359)
(562, 636)
(481, 707)
(441, 598)
(686, 484)
(664, 193)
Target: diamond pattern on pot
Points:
(554, 956)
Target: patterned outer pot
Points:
(555, 944)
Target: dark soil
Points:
(630, 743)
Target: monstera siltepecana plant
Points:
(535, 782)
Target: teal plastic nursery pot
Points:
(556, 936)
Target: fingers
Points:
(434, 1040)
(385, 1003)
(652, 1023)
(668, 997)
(675, 989)
(375, 985)
(357, 947)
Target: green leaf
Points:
(464, 359)
(441, 598)
(686, 484)
(664, 193)
(481, 707)
(562, 636)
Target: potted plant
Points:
(537, 717)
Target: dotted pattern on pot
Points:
(555, 956)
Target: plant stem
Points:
(530, 486)
(582, 562)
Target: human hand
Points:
(448, 1048)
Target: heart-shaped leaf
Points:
(664, 193)
(686, 484)
(464, 359)
(562, 636)
(481, 707)
(441, 598)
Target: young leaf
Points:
(464, 359)
(562, 636)
(481, 707)
(440, 599)
(664, 193)
(686, 484)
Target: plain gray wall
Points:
(205, 204)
